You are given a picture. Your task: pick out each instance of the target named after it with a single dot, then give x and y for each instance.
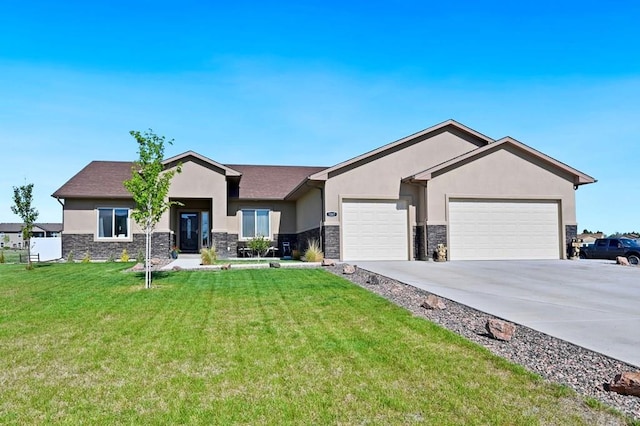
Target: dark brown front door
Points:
(189, 232)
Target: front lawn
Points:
(84, 343)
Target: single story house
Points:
(589, 238)
(11, 233)
(448, 184)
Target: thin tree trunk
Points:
(28, 254)
(147, 272)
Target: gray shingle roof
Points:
(17, 227)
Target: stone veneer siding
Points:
(331, 241)
(222, 242)
(80, 244)
(570, 232)
(436, 234)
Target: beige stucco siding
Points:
(81, 216)
(309, 210)
(198, 181)
(381, 177)
(506, 174)
(282, 215)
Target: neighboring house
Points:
(590, 237)
(448, 184)
(11, 233)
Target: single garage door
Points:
(374, 230)
(500, 229)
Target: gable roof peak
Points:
(483, 139)
(178, 158)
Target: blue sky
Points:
(316, 83)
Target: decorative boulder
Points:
(177, 268)
(225, 267)
(433, 302)
(328, 262)
(373, 279)
(627, 383)
(621, 260)
(274, 265)
(155, 261)
(349, 269)
(138, 267)
(500, 330)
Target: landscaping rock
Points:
(349, 269)
(433, 302)
(621, 260)
(225, 267)
(138, 267)
(177, 268)
(373, 279)
(274, 265)
(328, 262)
(627, 383)
(155, 261)
(500, 330)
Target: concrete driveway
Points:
(591, 303)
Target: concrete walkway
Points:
(593, 304)
(192, 261)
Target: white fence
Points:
(48, 248)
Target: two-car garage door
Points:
(374, 230)
(503, 229)
(479, 229)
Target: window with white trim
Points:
(113, 223)
(255, 223)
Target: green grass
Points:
(84, 343)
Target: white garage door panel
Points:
(374, 230)
(489, 230)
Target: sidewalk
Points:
(192, 262)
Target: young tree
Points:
(22, 199)
(149, 185)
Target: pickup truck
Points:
(610, 248)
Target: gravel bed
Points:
(556, 360)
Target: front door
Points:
(189, 232)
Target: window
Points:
(113, 223)
(255, 223)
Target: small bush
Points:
(70, 258)
(111, 258)
(208, 256)
(124, 257)
(86, 258)
(314, 252)
(2, 260)
(260, 245)
(140, 256)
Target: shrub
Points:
(140, 256)
(259, 245)
(208, 256)
(314, 252)
(111, 258)
(124, 257)
(2, 260)
(86, 258)
(70, 258)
